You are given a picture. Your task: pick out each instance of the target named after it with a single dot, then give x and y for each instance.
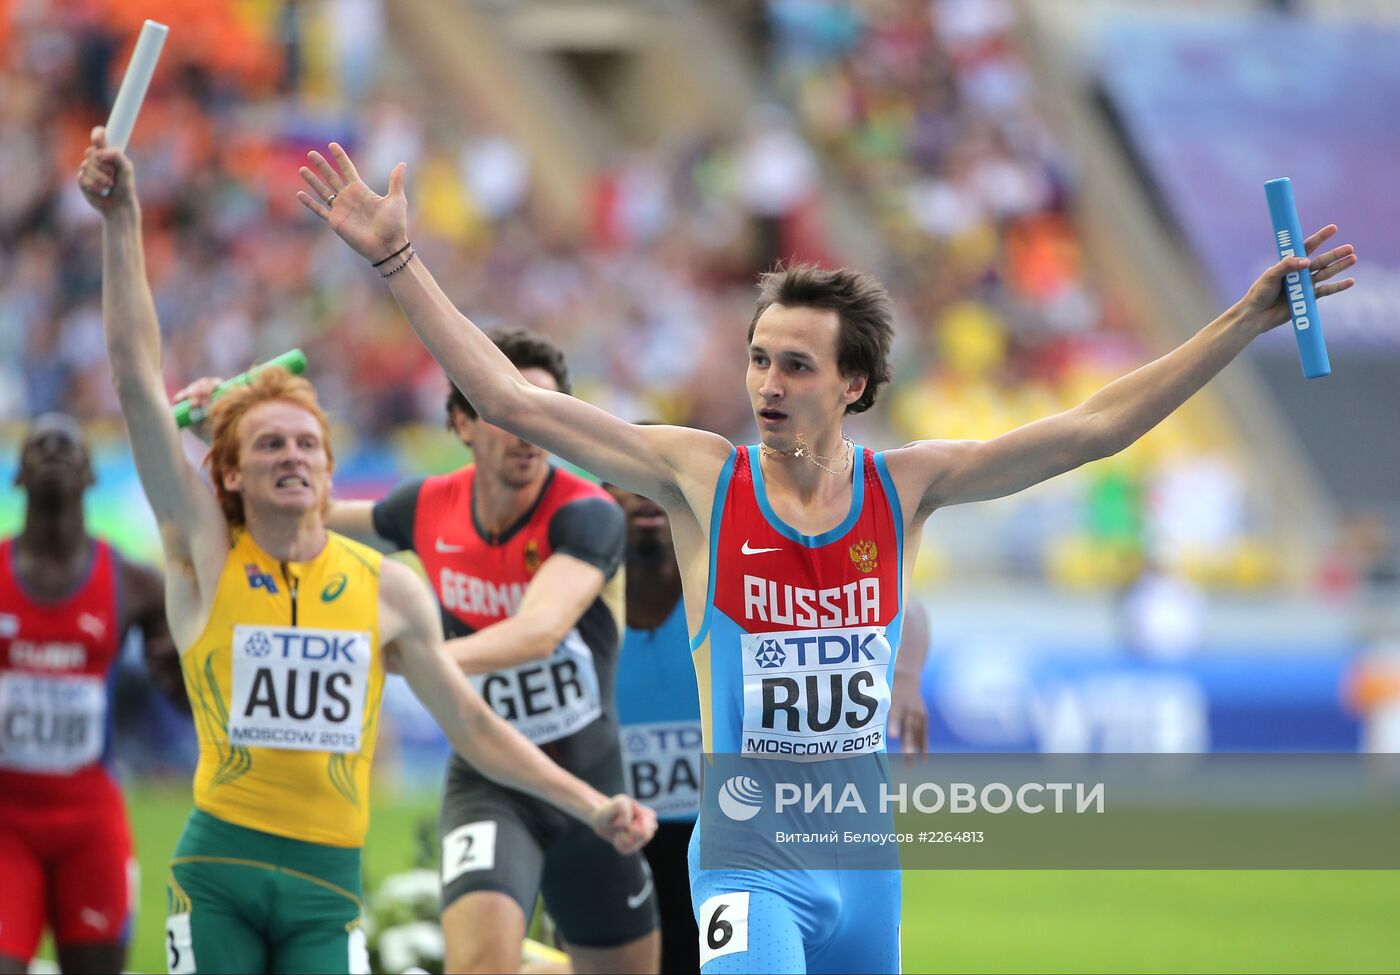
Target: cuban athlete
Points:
(67, 602)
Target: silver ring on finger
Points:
(330, 200)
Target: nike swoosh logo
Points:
(635, 901)
(756, 551)
(446, 549)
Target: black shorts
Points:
(495, 838)
(680, 937)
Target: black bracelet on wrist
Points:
(393, 255)
(399, 267)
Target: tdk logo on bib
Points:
(815, 693)
(334, 645)
(823, 648)
(770, 654)
(299, 688)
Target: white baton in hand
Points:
(133, 89)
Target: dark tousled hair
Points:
(863, 308)
(525, 351)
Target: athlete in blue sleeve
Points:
(658, 707)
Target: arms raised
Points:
(192, 527)
(942, 472)
(665, 463)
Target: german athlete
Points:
(524, 558)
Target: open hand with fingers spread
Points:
(1265, 301)
(374, 226)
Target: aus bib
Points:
(299, 688)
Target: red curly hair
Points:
(269, 385)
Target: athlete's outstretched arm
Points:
(558, 594)
(656, 461)
(191, 524)
(411, 632)
(355, 519)
(941, 472)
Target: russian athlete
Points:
(803, 533)
(67, 601)
(525, 558)
(285, 632)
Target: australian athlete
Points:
(803, 535)
(285, 632)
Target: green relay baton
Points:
(187, 415)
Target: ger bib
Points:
(815, 692)
(548, 700)
(298, 688)
(51, 724)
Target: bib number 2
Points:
(468, 848)
(724, 926)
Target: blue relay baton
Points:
(1297, 285)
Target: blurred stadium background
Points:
(1055, 190)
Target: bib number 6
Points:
(724, 926)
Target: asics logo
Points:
(446, 549)
(748, 549)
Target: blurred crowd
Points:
(923, 109)
(240, 272)
(928, 110)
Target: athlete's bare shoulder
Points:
(406, 607)
(695, 458)
(916, 469)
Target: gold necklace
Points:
(802, 450)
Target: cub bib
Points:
(51, 724)
(298, 688)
